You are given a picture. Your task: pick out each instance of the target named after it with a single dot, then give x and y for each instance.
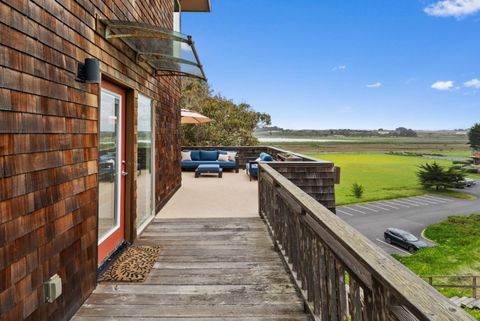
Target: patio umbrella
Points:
(191, 117)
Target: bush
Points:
(434, 175)
(471, 170)
(357, 190)
(465, 162)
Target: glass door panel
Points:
(144, 161)
(111, 181)
(108, 164)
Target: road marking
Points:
(396, 248)
(343, 212)
(367, 208)
(403, 205)
(357, 211)
(446, 200)
(413, 200)
(380, 207)
(430, 201)
(388, 205)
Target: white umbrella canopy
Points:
(191, 117)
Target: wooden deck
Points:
(209, 270)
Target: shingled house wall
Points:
(49, 143)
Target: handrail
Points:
(343, 275)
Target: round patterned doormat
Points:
(133, 265)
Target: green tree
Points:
(435, 176)
(232, 125)
(474, 137)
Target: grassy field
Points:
(448, 145)
(457, 252)
(382, 176)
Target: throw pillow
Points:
(186, 156)
(223, 157)
(231, 156)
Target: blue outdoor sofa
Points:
(252, 167)
(208, 157)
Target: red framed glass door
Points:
(111, 170)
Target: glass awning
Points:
(170, 53)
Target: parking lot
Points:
(412, 214)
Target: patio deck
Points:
(209, 269)
(225, 268)
(234, 195)
(213, 266)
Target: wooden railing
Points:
(341, 274)
(465, 282)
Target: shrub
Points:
(465, 162)
(471, 170)
(434, 175)
(357, 190)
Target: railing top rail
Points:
(451, 276)
(350, 245)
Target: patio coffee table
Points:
(208, 169)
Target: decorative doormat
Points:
(133, 265)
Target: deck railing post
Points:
(474, 287)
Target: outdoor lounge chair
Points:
(252, 167)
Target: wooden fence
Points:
(468, 282)
(341, 274)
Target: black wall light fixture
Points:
(89, 71)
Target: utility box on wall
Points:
(52, 288)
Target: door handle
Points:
(124, 173)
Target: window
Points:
(177, 12)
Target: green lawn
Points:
(382, 176)
(457, 252)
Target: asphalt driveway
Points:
(412, 214)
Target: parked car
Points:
(106, 170)
(403, 239)
(467, 182)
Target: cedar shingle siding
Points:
(49, 143)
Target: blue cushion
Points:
(195, 155)
(223, 152)
(266, 157)
(194, 164)
(208, 168)
(208, 155)
(253, 169)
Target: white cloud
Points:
(453, 8)
(374, 85)
(443, 85)
(474, 83)
(341, 67)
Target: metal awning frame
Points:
(141, 30)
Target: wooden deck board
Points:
(208, 270)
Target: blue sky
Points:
(345, 64)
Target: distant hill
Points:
(275, 131)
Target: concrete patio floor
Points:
(234, 195)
